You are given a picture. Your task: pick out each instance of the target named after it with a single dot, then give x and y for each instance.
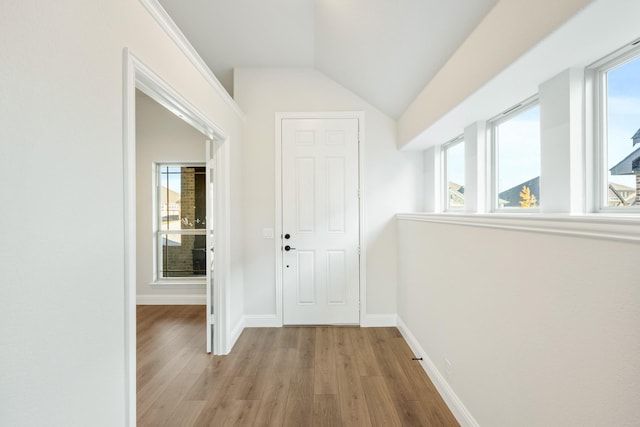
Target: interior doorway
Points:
(140, 77)
(175, 211)
(171, 201)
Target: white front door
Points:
(320, 221)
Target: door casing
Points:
(137, 75)
(359, 115)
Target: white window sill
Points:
(620, 227)
(179, 284)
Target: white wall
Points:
(61, 255)
(441, 111)
(62, 346)
(509, 30)
(161, 137)
(391, 179)
(538, 314)
(540, 329)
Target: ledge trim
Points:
(620, 228)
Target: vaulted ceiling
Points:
(385, 51)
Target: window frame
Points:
(445, 172)
(492, 125)
(157, 272)
(596, 102)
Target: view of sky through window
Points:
(518, 156)
(623, 116)
(171, 177)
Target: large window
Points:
(454, 174)
(181, 221)
(619, 95)
(516, 158)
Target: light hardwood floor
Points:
(292, 376)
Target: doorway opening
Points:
(139, 77)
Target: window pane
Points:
(182, 198)
(623, 133)
(517, 142)
(182, 255)
(181, 206)
(455, 175)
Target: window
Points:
(516, 157)
(453, 152)
(618, 85)
(181, 221)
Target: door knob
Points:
(288, 248)
(287, 236)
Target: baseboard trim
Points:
(171, 300)
(262, 321)
(235, 333)
(272, 321)
(379, 320)
(454, 403)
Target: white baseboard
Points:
(262, 321)
(379, 320)
(454, 403)
(272, 321)
(171, 300)
(235, 333)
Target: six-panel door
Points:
(320, 212)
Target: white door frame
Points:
(359, 115)
(137, 75)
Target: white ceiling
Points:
(385, 51)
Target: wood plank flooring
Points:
(292, 376)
